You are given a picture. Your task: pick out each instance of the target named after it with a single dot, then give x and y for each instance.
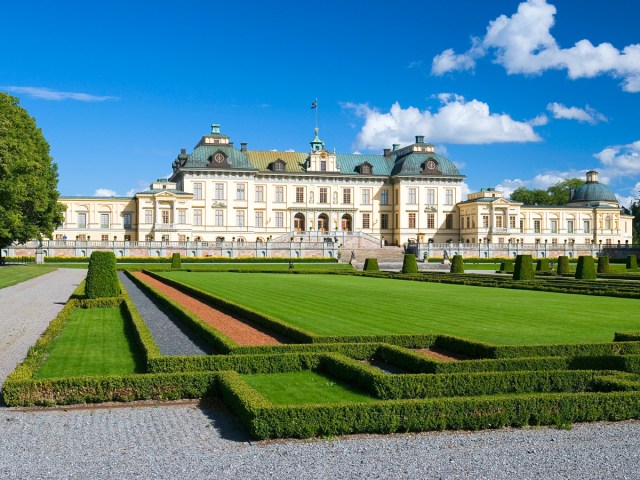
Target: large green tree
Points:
(29, 207)
(558, 194)
(635, 211)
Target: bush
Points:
(542, 265)
(457, 265)
(586, 269)
(409, 264)
(563, 265)
(523, 269)
(102, 277)
(371, 265)
(603, 264)
(632, 262)
(175, 261)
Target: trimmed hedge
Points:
(563, 265)
(371, 265)
(632, 262)
(523, 269)
(603, 264)
(196, 260)
(542, 265)
(586, 269)
(457, 265)
(102, 277)
(175, 261)
(409, 264)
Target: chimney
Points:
(387, 152)
(419, 138)
(243, 146)
(183, 151)
(396, 146)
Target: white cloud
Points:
(456, 121)
(586, 115)
(539, 120)
(523, 44)
(465, 190)
(620, 160)
(42, 93)
(105, 192)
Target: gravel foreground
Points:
(186, 441)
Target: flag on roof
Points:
(314, 104)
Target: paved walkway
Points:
(27, 308)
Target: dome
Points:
(593, 191)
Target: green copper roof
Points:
(348, 163)
(200, 156)
(412, 164)
(294, 161)
(593, 192)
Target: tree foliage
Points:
(558, 194)
(29, 205)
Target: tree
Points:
(558, 194)
(29, 207)
(635, 226)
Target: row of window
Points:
(105, 220)
(412, 196)
(537, 224)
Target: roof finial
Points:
(215, 128)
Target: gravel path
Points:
(185, 441)
(170, 338)
(27, 308)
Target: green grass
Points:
(12, 275)
(93, 341)
(221, 267)
(305, 387)
(349, 305)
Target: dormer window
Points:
(278, 166)
(430, 167)
(365, 168)
(218, 159)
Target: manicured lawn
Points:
(346, 305)
(296, 388)
(12, 275)
(245, 266)
(93, 341)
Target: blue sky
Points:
(513, 92)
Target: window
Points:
(448, 196)
(536, 226)
(240, 218)
(412, 220)
(259, 193)
(219, 217)
(279, 219)
(521, 226)
(324, 195)
(366, 197)
(431, 220)
(607, 222)
(104, 220)
(323, 165)
(365, 169)
(485, 221)
(148, 216)
(587, 241)
(165, 216)
(384, 221)
(279, 195)
(499, 221)
(448, 221)
(126, 220)
(279, 166)
(241, 191)
(299, 194)
(366, 220)
(586, 226)
(259, 219)
(569, 226)
(197, 191)
(412, 197)
(219, 191)
(554, 241)
(346, 195)
(431, 196)
(468, 222)
(512, 221)
(182, 217)
(104, 238)
(554, 226)
(197, 216)
(384, 197)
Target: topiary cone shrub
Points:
(409, 264)
(523, 269)
(632, 262)
(457, 266)
(371, 265)
(508, 267)
(603, 264)
(102, 278)
(563, 265)
(542, 265)
(175, 261)
(586, 269)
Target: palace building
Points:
(407, 194)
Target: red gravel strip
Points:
(445, 357)
(233, 328)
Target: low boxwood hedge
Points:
(371, 265)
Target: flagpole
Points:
(316, 114)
